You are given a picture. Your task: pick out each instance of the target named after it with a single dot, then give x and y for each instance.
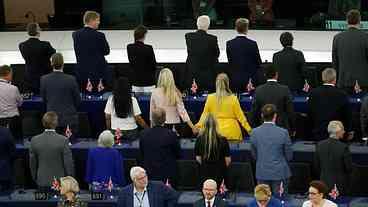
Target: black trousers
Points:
(15, 126)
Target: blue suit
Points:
(271, 148)
(244, 59)
(7, 156)
(274, 202)
(90, 47)
(104, 163)
(159, 195)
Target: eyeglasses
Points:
(313, 193)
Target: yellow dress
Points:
(229, 114)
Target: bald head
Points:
(209, 189)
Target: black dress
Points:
(213, 167)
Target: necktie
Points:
(208, 204)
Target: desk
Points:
(95, 106)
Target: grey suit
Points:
(49, 157)
(279, 95)
(350, 57)
(60, 93)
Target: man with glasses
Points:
(209, 199)
(144, 193)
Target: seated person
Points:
(105, 162)
(122, 110)
(317, 193)
(226, 109)
(209, 199)
(68, 189)
(263, 197)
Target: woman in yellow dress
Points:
(226, 108)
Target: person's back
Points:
(90, 47)
(159, 149)
(36, 54)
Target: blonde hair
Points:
(262, 192)
(167, 83)
(222, 87)
(210, 135)
(203, 22)
(90, 16)
(69, 184)
(106, 139)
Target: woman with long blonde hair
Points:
(212, 151)
(226, 109)
(168, 97)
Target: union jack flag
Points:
(68, 132)
(110, 185)
(168, 183)
(100, 86)
(250, 86)
(306, 87)
(117, 135)
(281, 189)
(89, 86)
(55, 185)
(357, 88)
(223, 188)
(194, 87)
(334, 192)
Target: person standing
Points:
(203, 53)
(350, 54)
(36, 54)
(7, 157)
(243, 57)
(90, 47)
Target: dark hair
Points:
(270, 71)
(320, 186)
(158, 116)
(268, 112)
(33, 29)
(353, 17)
(5, 70)
(57, 61)
(50, 120)
(122, 98)
(286, 39)
(139, 32)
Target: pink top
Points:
(173, 112)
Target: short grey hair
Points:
(106, 139)
(334, 127)
(328, 75)
(203, 22)
(135, 171)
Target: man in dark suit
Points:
(243, 57)
(333, 159)
(203, 53)
(146, 193)
(7, 156)
(290, 64)
(327, 103)
(143, 62)
(209, 199)
(350, 54)
(271, 148)
(159, 155)
(60, 92)
(49, 154)
(274, 93)
(90, 47)
(36, 54)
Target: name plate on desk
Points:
(97, 195)
(40, 196)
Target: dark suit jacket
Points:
(333, 161)
(159, 155)
(90, 47)
(364, 117)
(143, 62)
(350, 57)
(218, 203)
(244, 59)
(159, 195)
(327, 103)
(7, 155)
(279, 95)
(203, 53)
(290, 64)
(49, 157)
(37, 56)
(60, 92)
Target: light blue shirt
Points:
(140, 199)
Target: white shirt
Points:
(122, 123)
(212, 201)
(140, 199)
(327, 203)
(10, 99)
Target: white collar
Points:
(50, 130)
(271, 80)
(269, 122)
(241, 35)
(135, 190)
(212, 201)
(328, 84)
